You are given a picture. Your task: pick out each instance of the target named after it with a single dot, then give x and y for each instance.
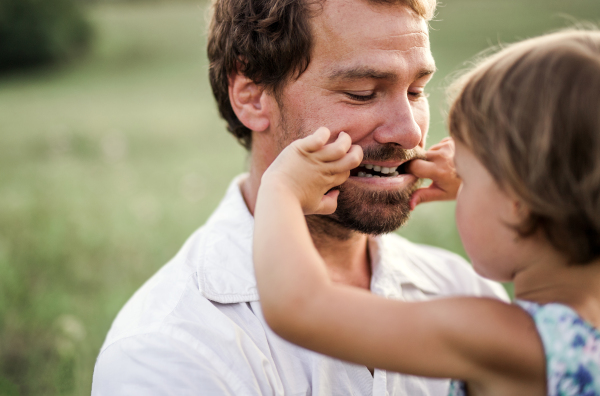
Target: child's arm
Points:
(466, 338)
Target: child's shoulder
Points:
(572, 348)
(447, 273)
(556, 315)
(559, 322)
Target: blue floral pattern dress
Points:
(572, 348)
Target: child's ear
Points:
(520, 210)
(250, 102)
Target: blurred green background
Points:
(109, 162)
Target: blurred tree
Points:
(35, 32)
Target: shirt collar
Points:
(394, 264)
(226, 271)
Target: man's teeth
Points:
(390, 172)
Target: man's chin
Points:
(372, 212)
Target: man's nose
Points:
(399, 125)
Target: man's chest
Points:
(280, 368)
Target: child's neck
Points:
(550, 278)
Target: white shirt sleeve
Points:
(154, 364)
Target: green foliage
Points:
(34, 32)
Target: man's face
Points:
(368, 70)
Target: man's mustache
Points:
(392, 152)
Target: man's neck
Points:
(345, 252)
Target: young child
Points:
(526, 123)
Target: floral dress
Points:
(572, 348)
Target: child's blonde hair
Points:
(531, 115)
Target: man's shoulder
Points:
(173, 287)
(449, 272)
(212, 268)
(163, 361)
(170, 328)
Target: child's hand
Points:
(439, 167)
(309, 168)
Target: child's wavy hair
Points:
(531, 115)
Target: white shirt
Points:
(196, 327)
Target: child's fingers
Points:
(444, 186)
(350, 160)
(439, 167)
(439, 163)
(335, 150)
(424, 169)
(339, 171)
(328, 203)
(316, 141)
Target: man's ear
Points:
(250, 102)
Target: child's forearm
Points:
(289, 270)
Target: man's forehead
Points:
(356, 38)
(387, 26)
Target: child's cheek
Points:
(466, 223)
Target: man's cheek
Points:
(422, 115)
(358, 123)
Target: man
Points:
(280, 69)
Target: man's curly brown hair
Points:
(268, 41)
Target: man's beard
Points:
(360, 209)
(371, 211)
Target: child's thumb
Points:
(328, 203)
(428, 194)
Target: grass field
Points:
(108, 164)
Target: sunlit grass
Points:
(108, 164)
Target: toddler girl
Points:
(526, 123)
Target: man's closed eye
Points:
(360, 98)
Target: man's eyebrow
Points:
(361, 73)
(426, 72)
